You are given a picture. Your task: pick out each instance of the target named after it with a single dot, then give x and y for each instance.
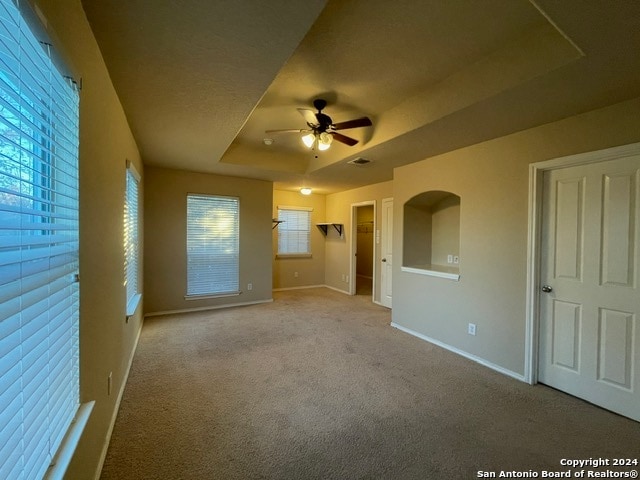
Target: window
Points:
(131, 248)
(213, 233)
(39, 388)
(294, 233)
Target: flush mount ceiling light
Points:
(305, 191)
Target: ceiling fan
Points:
(321, 130)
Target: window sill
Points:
(293, 255)
(207, 296)
(440, 271)
(132, 305)
(63, 456)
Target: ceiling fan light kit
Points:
(309, 139)
(324, 140)
(321, 140)
(323, 130)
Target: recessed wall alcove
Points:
(431, 235)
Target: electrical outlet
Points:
(456, 259)
(449, 258)
(109, 383)
(347, 279)
(295, 274)
(472, 329)
(249, 286)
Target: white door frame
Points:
(536, 172)
(383, 239)
(354, 246)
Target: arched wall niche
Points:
(431, 234)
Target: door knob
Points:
(384, 259)
(547, 289)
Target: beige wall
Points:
(310, 270)
(445, 230)
(166, 226)
(417, 238)
(107, 340)
(492, 181)
(338, 249)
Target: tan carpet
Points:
(317, 385)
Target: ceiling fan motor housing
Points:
(319, 103)
(324, 122)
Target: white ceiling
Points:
(201, 80)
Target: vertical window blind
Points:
(39, 393)
(294, 232)
(131, 248)
(213, 236)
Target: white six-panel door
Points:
(590, 300)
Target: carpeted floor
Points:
(317, 385)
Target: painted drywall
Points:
(492, 181)
(417, 238)
(166, 225)
(310, 270)
(107, 340)
(445, 230)
(338, 249)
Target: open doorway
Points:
(363, 247)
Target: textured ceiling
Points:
(202, 80)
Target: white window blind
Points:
(131, 248)
(39, 393)
(294, 232)
(213, 235)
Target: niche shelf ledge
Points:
(433, 271)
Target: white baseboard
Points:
(345, 292)
(112, 424)
(304, 287)
(311, 286)
(203, 309)
(462, 353)
(337, 289)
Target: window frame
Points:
(197, 239)
(131, 239)
(283, 229)
(41, 418)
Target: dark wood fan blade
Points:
(338, 137)
(309, 116)
(290, 130)
(358, 122)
